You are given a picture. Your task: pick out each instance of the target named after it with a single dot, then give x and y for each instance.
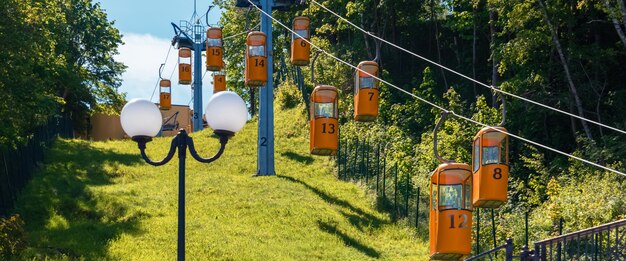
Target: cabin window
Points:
(325, 110)
(433, 202)
(212, 42)
(476, 155)
(451, 196)
(256, 50)
(366, 82)
(304, 33)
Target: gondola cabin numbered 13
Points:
(324, 133)
(256, 60)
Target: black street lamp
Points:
(141, 119)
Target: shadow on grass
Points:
(347, 240)
(297, 157)
(63, 216)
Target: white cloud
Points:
(143, 54)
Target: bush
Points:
(288, 95)
(12, 237)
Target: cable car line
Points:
(157, 83)
(467, 77)
(442, 108)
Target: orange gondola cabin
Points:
(214, 49)
(256, 59)
(366, 92)
(300, 49)
(184, 66)
(165, 95)
(323, 123)
(450, 212)
(490, 165)
(219, 82)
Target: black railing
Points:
(18, 163)
(605, 242)
(508, 255)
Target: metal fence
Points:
(18, 163)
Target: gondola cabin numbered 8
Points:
(165, 96)
(219, 82)
(490, 162)
(300, 49)
(184, 66)
(256, 60)
(450, 225)
(214, 49)
(324, 125)
(366, 92)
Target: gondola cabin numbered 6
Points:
(450, 212)
(490, 162)
(219, 82)
(300, 49)
(165, 96)
(366, 92)
(214, 49)
(256, 60)
(184, 66)
(324, 125)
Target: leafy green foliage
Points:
(12, 237)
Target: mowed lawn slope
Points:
(101, 201)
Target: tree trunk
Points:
(474, 50)
(494, 61)
(616, 24)
(434, 20)
(622, 7)
(568, 76)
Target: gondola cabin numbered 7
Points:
(366, 92)
(165, 96)
(214, 49)
(450, 211)
(184, 66)
(324, 125)
(256, 60)
(490, 162)
(219, 82)
(300, 49)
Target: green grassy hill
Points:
(101, 201)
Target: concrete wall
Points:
(106, 127)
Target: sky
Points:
(147, 34)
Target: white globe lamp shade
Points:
(226, 111)
(141, 117)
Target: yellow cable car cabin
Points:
(366, 92)
(490, 164)
(300, 49)
(324, 124)
(165, 96)
(450, 228)
(184, 66)
(256, 59)
(219, 82)
(214, 49)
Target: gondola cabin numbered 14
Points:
(490, 162)
(256, 60)
(165, 96)
(184, 66)
(450, 225)
(324, 125)
(300, 49)
(214, 49)
(366, 92)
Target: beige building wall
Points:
(106, 127)
(183, 118)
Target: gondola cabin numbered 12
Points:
(256, 60)
(490, 164)
(184, 66)
(324, 133)
(450, 225)
(366, 92)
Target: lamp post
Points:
(141, 119)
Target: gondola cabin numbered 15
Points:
(366, 92)
(214, 49)
(490, 162)
(300, 49)
(450, 227)
(324, 125)
(256, 60)
(184, 66)
(165, 96)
